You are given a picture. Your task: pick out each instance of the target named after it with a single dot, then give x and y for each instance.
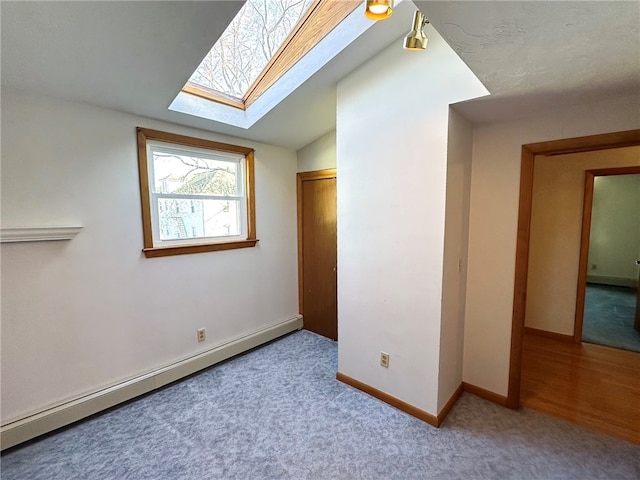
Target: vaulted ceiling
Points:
(136, 56)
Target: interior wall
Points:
(456, 234)
(391, 215)
(85, 314)
(495, 186)
(319, 154)
(556, 228)
(614, 243)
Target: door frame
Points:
(306, 177)
(583, 266)
(529, 152)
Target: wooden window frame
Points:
(321, 18)
(144, 135)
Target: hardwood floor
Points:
(591, 385)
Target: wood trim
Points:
(304, 177)
(143, 173)
(607, 172)
(588, 143)
(320, 20)
(154, 252)
(449, 405)
(529, 151)
(486, 394)
(584, 256)
(521, 268)
(167, 137)
(250, 191)
(209, 94)
(561, 337)
(144, 135)
(389, 399)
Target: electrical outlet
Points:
(202, 335)
(384, 359)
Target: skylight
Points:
(250, 42)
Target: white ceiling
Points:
(135, 57)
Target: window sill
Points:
(196, 248)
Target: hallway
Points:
(590, 385)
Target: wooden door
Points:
(317, 252)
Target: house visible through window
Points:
(197, 195)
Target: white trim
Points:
(37, 234)
(43, 422)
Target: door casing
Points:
(529, 151)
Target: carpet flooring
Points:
(608, 317)
(278, 413)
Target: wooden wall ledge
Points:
(37, 234)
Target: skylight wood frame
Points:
(321, 18)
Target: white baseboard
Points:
(48, 420)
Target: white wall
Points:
(456, 234)
(556, 229)
(615, 228)
(84, 314)
(319, 154)
(392, 163)
(495, 177)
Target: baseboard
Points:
(545, 333)
(442, 414)
(46, 421)
(614, 281)
(485, 394)
(389, 399)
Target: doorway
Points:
(317, 252)
(609, 277)
(529, 152)
(587, 384)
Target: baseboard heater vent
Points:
(46, 421)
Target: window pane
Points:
(184, 174)
(198, 218)
(246, 46)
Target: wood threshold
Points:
(529, 151)
(486, 394)
(433, 420)
(561, 337)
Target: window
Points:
(197, 195)
(263, 41)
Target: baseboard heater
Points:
(48, 420)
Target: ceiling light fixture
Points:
(378, 9)
(416, 39)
